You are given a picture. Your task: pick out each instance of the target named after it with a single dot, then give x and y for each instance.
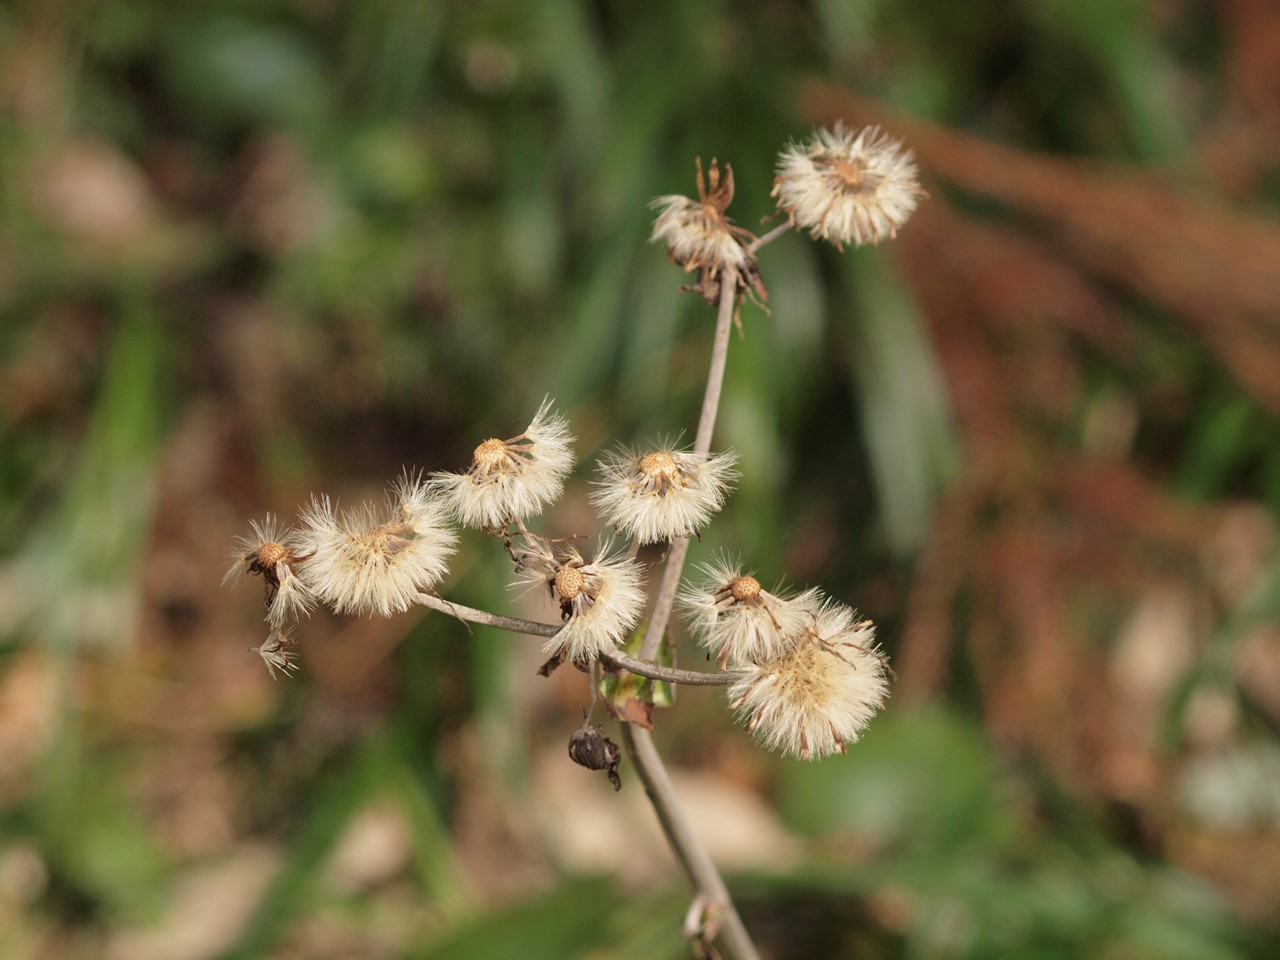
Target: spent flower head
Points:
(512, 479)
(600, 600)
(272, 551)
(739, 621)
(702, 239)
(663, 493)
(372, 560)
(847, 187)
(821, 692)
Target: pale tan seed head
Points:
(744, 589)
(848, 172)
(490, 454)
(269, 554)
(569, 582)
(658, 465)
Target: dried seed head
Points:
(377, 561)
(273, 551)
(744, 589)
(569, 582)
(820, 693)
(663, 493)
(511, 479)
(739, 621)
(702, 239)
(600, 600)
(490, 456)
(847, 187)
(269, 554)
(659, 469)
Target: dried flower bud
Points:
(847, 187)
(700, 238)
(512, 479)
(371, 561)
(273, 551)
(661, 494)
(737, 620)
(274, 654)
(819, 694)
(589, 748)
(600, 600)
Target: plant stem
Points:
(616, 659)
(702, 444)
(693, 856)
(769, 237)
(729, 932)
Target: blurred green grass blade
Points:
(78, 569)
(563, 924)
(1226, 430)
(389, 49)
(332, 803)
(97, 839)
(919, 782)
(442, 876)
(902, 396)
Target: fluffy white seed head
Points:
(737, 620)
(372, 560)
(512, 479)
(656, 495)
(820, 693)
(697, 233)
(272, 551)
(847, 187)
(600, 600)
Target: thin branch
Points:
(702, 444)
(514, 624)
(732, 935)
(769, 237)
(691, 678)
(617, 660)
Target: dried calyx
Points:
(589, 748)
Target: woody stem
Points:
(732, 936)
(769, 237)
(702, 444)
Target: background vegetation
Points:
(251, 249)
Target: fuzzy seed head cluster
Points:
(511, 479)
(846, 187)
(600, 600)
(698, 234)
(660, 494)
(819, 694)
(370, 560)
(737, 620)
(272, 551)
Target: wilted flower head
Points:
(600, 600)
(275, 656)
(848, 187)
(376, 561)
(272, 551)
(702, 239)
(818, 694)
(737, 620)
(659, 494)
(512, 479)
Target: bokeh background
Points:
(255, 249)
